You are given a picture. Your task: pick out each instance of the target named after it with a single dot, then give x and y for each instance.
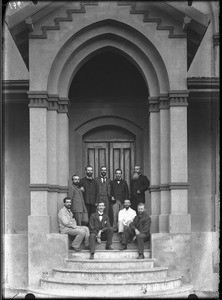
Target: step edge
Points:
(109, 260)
(68, 270)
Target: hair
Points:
(66, 198)
(74, 175)
(127, 200)
(88, 167)
(141, 204)
(118, 170)
(138, 166)
(101, 201)
(103, 167)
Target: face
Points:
(137, 169)
(118, 174)
(75, 180)
(103, 171)
(127, 203)
(140, 209)
(89, 171)
(101, 207)
(68, 203)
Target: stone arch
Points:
(115, 36)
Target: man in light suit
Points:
(67, 225)
(78, 207)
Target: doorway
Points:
(113, 155)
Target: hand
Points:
(137, 231)
(138, 192)
(99, 234)
(113, 199)
(82, 189)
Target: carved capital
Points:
(164, 102)
(37, 100)
(154, 188)
(153, 103)
(178, 98)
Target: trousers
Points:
(80, 233)
(116, 208)
(129, 233)
(105, 236)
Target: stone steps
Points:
(114, 276)
(105, 289)
(131, 264)
(179, 292)
(107, 254)
(116, 245)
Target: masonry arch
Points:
(118, 36)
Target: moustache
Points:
(135, 176)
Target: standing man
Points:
(138, 185)
(119, 192)
(125, 217)
(78, 207)
(90, 189)
(104, 188)
(100, 229)
(140, 227)
(67, 225)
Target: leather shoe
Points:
(91, 256)
(123, 247)
(109, 248)
(76, 249)
(86, 247)
(141, 256)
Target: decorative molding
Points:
(164, 101)
(49, 188)
(178, 185)
(178, 98)
(50, 102)
(57, 21)
(216, 39)
(154, 188)
(164, 187)
(153, 103)
(203, 89)
(15, 91)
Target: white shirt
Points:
(100, 216)
(126, 216)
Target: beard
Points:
(77, 184)
(89, 174)
(135, 176)
(103, 174)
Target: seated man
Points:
(139, 227)
(67, 224)
(100, 229)
(125, 217)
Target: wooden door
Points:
(113, 155)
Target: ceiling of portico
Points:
(177, 18)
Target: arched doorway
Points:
(108, 85)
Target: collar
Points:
(90, 178)
(100, 214)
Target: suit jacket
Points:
(65, 219)
(141, 223)
(104, 188)
(95, 225)
(119, 191)
(78, 204)
(142, 184)
(91, 194)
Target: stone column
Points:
(45, 248)
(164, 163)
(154, 162)
(179, 219)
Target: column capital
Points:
(178, 98)
(163, 101)
(42, 99)
(178, 185)
(153, 103)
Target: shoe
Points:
(141, 256)
(123, 247)
(91, 256)
(76, 249)
(109, 248)
(86, 247)
(99, 241)
(120, 234)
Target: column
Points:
(164, 163)
(154, 162)
(179, 219)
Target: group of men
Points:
(104, 206)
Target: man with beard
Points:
(125, 217)
(104, 192)
(90, 189)
(119, 192)
(67, 225)
(78, 207)
(138, 185)
(140, 227)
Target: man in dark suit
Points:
(140, 227)
(104, 192)
(100, 229)
(119, 192)
(138, 185)
(90, 189)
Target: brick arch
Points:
(96, 38)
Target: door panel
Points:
(114, 155)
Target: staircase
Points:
(112, 273)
